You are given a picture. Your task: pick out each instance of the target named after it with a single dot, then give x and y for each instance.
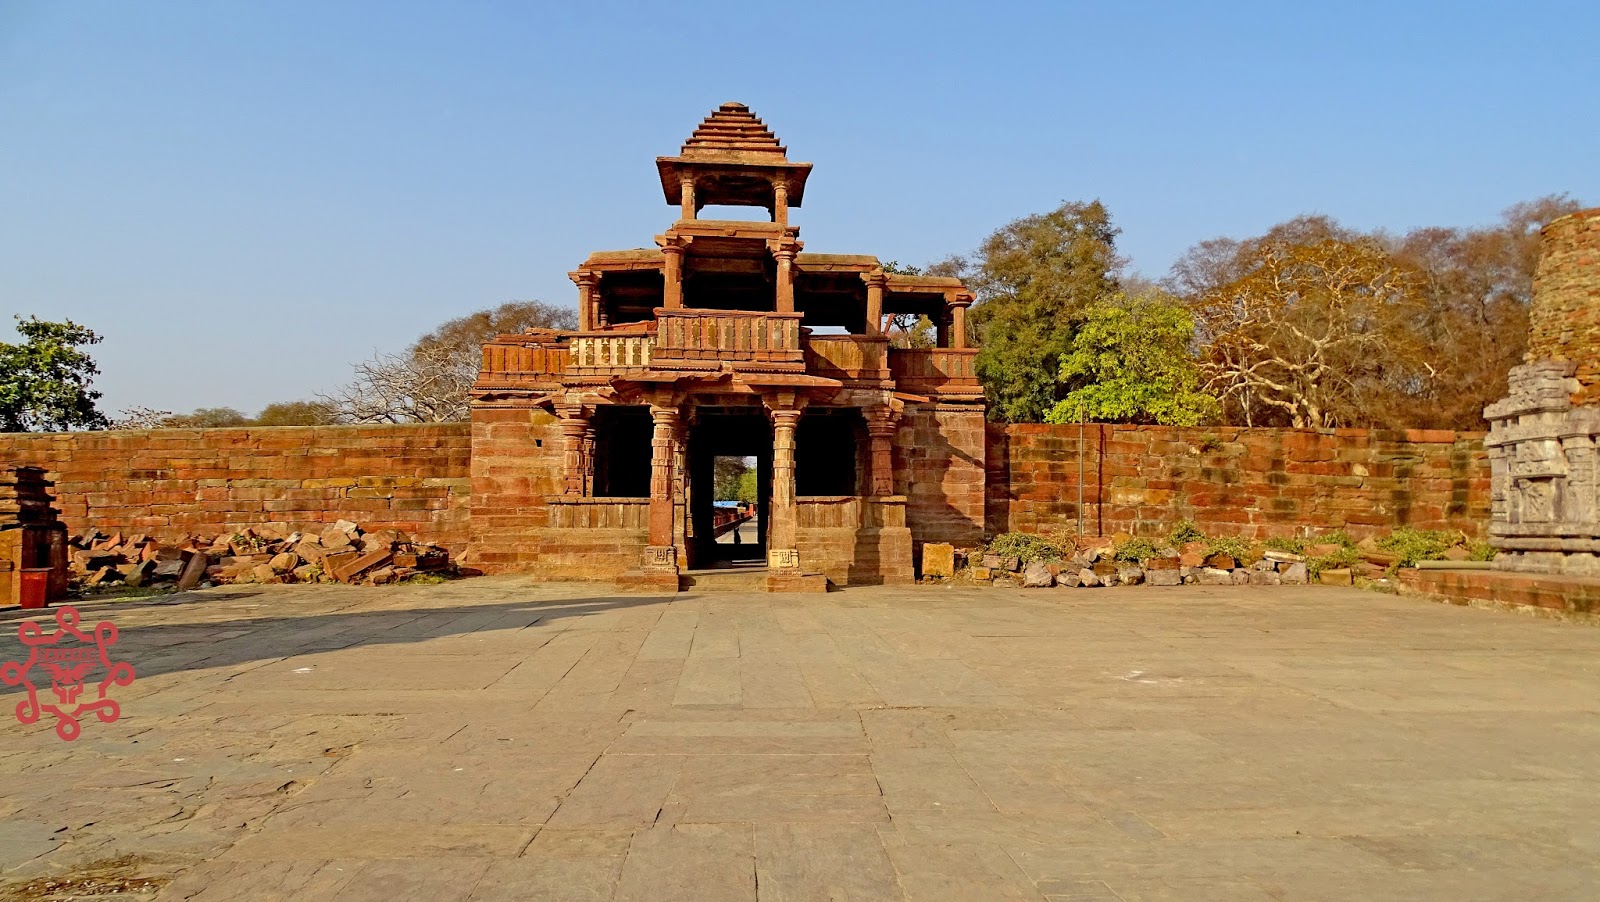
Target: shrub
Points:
(1337, 537)
(1185, 531)
(1481, 551)
(1293, 546)
(1023, 546)
(1412, 545)
(1346, 556)
(1137, 551)
(1232, 546)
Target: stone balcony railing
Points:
(847, 357)
(715, 336)
(936, 371)
(611, 352)
(509, 361)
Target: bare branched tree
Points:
(424, 385)
(432, 381)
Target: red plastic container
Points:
(35, 587)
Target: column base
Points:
(658, 572)
(783, 559)
(661, 559)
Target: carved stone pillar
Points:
(588, 458)
(881, 424)
(661, 553)
(588, 297)
(875, 282)
(672, 274)
(783, 532)
(941, 329)
(958, 325)
(785, 257)
(780, 202)
(574, 426)
(690, 211)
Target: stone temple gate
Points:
(593, 449)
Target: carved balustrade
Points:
(936, 371)
(727, 335)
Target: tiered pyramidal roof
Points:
(732, 132)
(733, 158)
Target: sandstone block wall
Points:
(169, 482)
(516, 463)
(1564, 321)
(939, 468)
(1235, 481)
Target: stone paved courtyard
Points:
(495, 739)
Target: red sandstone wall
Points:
(169, 482)
(516, 461)
(1234, 481)
(1564, 321)
(939, 467)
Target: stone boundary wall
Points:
(1253, 483)
(168, 482)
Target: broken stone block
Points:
(349, 570)
(1267, 564)
(1457, 553)
(939, 560)
(992, 561)
(309, 552)
(1130, 575)
(1162, 563)
(1214, 576)
(981, 574)
(1287, 557)
(381, 575)
(1068, 579)
(1037, 576)
(1167, 577)
(264, 573)
(1295, 575)
(1220, 561)
(333, 538)
(1323, 549)
(284, 561)
(168, 569)
(1336, 578)
(307, 573)
(1088, 577)
(1263, 577)
(1191, 559)
(140, 572)
(1241, 577)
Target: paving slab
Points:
(499, 738)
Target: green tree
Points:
(296, 413)
(727, 474)
(1131, 362)
(748, 487)
(207, 418)
(44, 381)
(1035, 279)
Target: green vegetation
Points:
(1412, 545)
(1232, 546)
(1346, 556)
(44, 381)
(1293, 546)
(1130, 363)
(1036, 278)
(1138, 550)
(1183, 532)
(1023, 546)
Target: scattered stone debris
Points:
(122, 877)
(343, 552)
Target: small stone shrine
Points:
(1545, 472)
(33, 541)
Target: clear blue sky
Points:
(244, 198)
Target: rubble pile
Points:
(1123, 561)
(342, 552)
